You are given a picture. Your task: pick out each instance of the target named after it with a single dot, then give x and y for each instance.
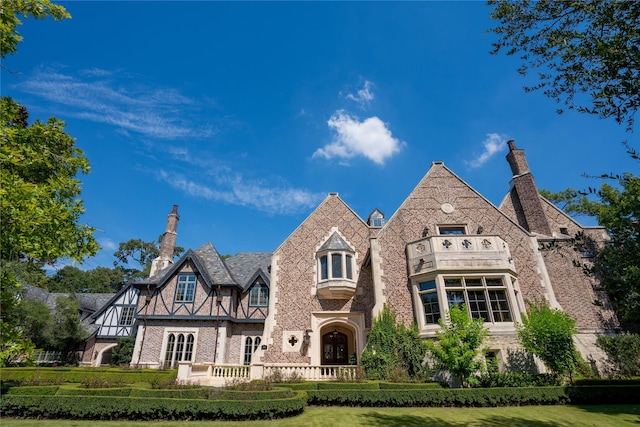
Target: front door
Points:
(334, 349)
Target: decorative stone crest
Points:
(447, 243)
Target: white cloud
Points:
(108, 244)
(129, 105)
(369, 138)
(237, 191)
(363, 96)
(493, 144)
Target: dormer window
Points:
(335, 268)
(376, 219)
(259, 295)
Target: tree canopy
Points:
(587, 52)
(458, 344)
(548, 333)
(9, 20)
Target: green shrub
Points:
(100, 391)
(393, 350)
(409, 386)
(76, 375)
(438, 398)
(121, 408)
(623, 354)
(102, 381)
(332, 385)
(32, 391)
(516, 379)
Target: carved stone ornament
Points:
(447, 208)
(447, 243)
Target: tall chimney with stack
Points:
(168, 243)
(524, 193)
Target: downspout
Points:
(218, 304)
(144, 321)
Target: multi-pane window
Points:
(250, 346)
(259, 296)
(429, 297)
(485, 298)
(336, 265)
(126, 316)
(186, 288)
(179, 347)
(455, 230)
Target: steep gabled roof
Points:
(207, 262)
(245, 267)
(336, 243)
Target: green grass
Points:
(525, 416)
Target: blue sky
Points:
(246, 114)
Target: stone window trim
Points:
(171, 354)
(185, 288)
(432, 299)
(250, 343)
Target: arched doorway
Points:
(335, 348)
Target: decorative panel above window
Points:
(335, 269)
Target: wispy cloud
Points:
(370, 138)
(118, 99)
(493, 144)
(235, 190)
(108, 244)
(363, 96)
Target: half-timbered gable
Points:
(116, 318)
(251, 271)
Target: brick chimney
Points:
(168, 243)
(524, 193)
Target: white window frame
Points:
(259, 295)
(185, 351)
(250, 344)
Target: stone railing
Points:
(220, 375)
(459, 252)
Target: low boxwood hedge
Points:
(410, 386)
(77, 375)
(441, 397)
(146, 409)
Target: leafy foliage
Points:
(393, 350)
(459, 343)
(9, 20)
(68, 330)
(623, 353)
(123, 352)
(617, 265)
(587, 52)
(140, 252)
(548, 333)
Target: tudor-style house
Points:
(308, 306)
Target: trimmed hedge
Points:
(410, 386)
(44, 390)
(608, 381)
(147, 409)
(439, 398)
(77, 375)
(477, 397)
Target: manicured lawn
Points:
(526, 416)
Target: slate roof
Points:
(336, 243)
(214, 265)
(244, 266)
